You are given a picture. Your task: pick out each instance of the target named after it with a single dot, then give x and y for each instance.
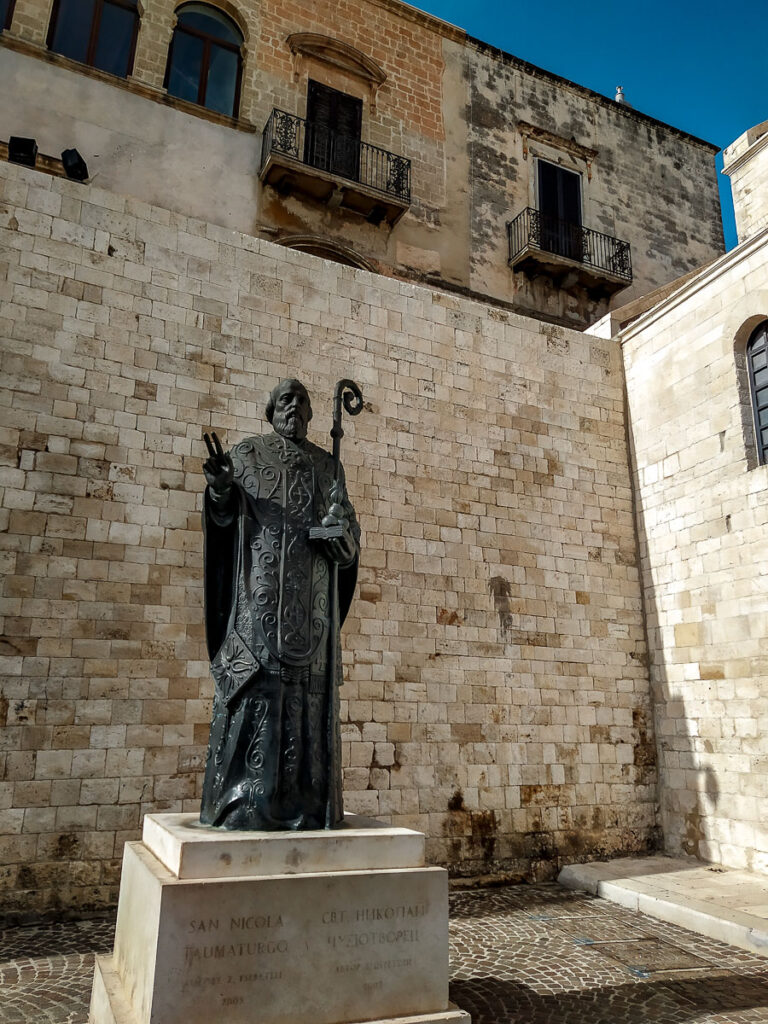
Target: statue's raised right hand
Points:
(218, 468)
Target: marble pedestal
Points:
(332, 927)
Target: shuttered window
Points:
(559, 201)
(333, 130)
(757, 363)
(6, 13)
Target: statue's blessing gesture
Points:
(281, 552)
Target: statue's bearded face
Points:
(292, 412)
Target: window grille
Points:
(757, 365)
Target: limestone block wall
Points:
(702, 516)
(496, 694)
(746, 163)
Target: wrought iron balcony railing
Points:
(318, 146)
(532, 229)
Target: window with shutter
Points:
(6, 13)
(560, 210)
(333, 130)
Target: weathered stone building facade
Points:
(497, 687)
(450, 141)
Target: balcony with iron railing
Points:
(540, 244)
(312, 159)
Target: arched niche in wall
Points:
(316, 245)
(327, 50)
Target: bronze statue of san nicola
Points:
(281, 552)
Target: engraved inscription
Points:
(200, 982)
(210, 924)
(194, 954)
(248, 922)
(233, 953)
(256, 921)
(355, 940)
(374, 965)
(403, 913)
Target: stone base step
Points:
(110, 1006)
(728, 905)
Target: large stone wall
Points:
(496, 693)
(702, 518)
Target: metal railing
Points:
(531, 228)
(318, 146)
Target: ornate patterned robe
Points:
(274, 757)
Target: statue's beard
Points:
(289, 425)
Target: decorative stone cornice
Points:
(760, 143)
(306, 243)
(339, 54)
(531, 131)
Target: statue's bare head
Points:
(289, 409)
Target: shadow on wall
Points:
(688, 790)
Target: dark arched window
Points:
(6, 13)
(204, 62)
(101, 33)
(757, 364)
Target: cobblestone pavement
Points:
(519, 955)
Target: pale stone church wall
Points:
(496, 692)
(746, 163)
(702, 518)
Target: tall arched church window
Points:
(6, 13)
(757, 365)
(101, 33)
(204, 61)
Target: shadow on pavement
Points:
(669, 1001)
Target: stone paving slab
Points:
(718, 902)
(519, 955)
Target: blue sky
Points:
(688, 64)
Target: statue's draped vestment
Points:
(274, 757)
